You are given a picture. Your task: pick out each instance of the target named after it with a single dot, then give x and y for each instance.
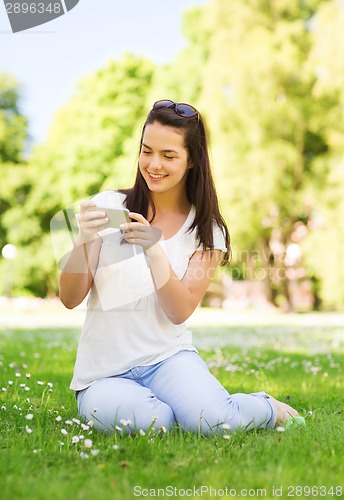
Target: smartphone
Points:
(116, 216)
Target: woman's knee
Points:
(123, 404)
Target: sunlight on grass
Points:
(305, 333)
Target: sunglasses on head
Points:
(180, 108)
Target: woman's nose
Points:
(155, 162)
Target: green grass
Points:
(296, 362)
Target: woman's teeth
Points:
(156, 176)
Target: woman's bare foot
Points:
(283, 411)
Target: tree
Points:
(324, 244)
(13, 125)
(13, 171)
(92, 145)
(268, 138)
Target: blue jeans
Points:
(179, 389)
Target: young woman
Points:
(135, 361)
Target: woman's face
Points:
(163, 158)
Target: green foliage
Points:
(271, 142)
(262, 74)
(13, 125)
(91, 132)
(323, 247)
(15, 182)
(92, 145)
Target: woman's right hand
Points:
(90, 222)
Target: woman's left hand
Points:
(140, 232)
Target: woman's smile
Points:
(156, 177)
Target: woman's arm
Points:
(178, 298)
(76, 277)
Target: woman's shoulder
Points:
(110, 198)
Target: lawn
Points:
(46, 452)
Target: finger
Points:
(89, 224)
(139, 218)
(136, 235)
(136, 241)
(134, 226)
(94, 214)
(144, 232)
(99, 222)
(85, 204)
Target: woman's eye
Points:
(146, 152)
(169, 157)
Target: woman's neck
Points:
(165, 203)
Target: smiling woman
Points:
(135, 360)
(163, 157)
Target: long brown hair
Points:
(199, 184)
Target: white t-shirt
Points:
(125, 326)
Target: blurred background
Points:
(268, 75)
